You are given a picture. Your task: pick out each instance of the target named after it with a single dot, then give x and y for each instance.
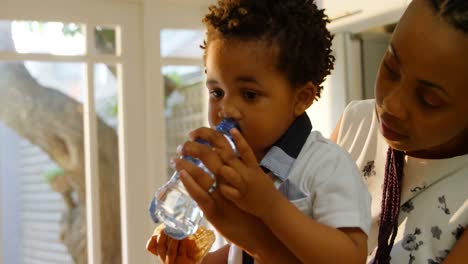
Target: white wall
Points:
(9, 198)
(342, 86)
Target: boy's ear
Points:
(305, 96)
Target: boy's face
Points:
(244, 84)
(421, 87)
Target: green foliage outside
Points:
(50, 175)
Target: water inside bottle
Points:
(177, 210)
(173, 206)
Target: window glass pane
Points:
(105, 40)
(106, 93)
(42, 37)
(186, 108)
(106, 104)
(42, 162)
(181, 43)
(68, 78)
(184, 104)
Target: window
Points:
(72, 96)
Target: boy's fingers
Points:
(183, 247)
(152, 245)
(199, 176)
(229, 192)
(200, 195)
(228, 157)
(161, 246)
(243, 148)
(205, 154)
(191, 247)
(172, 248)
(215, 138)
(231, 177)
(187, 248)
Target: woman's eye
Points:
(216, 93)
(431, 101)
(249, 95)
(391, 72)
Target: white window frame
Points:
(158, 15)
(140, 103)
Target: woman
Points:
(411, 142)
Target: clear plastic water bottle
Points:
(173, 206)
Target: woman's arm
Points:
(218, 256)
(459, 253)
(334, 134)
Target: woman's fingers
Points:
(161, 246)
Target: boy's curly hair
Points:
(297, 27)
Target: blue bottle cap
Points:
(226, 125)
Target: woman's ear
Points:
(305, 96)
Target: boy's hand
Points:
(233, 223)
(189, 250)
(172, 251)
(239, 178)
(243, 181)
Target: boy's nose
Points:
(229, 111)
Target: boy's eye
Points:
(249, 95)
(216, 93)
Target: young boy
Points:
(265, 62)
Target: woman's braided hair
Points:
(456, 14)
(388, 225)
(296, 27)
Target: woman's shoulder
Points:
(359, 109)
(357, 120)
(359, 128)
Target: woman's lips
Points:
(390, 133)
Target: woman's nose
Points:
(394, 103)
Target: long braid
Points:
(388, 225)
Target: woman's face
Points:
(422, 86)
